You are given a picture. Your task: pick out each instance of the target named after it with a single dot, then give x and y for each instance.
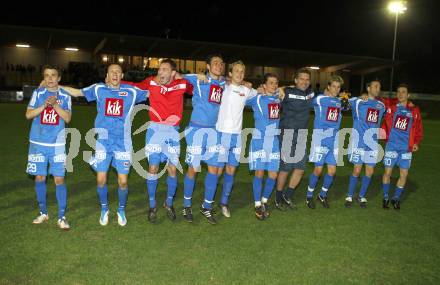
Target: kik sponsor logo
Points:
(332, 114)
(215, 94)
(372, 115)
(401, 123)
(49, 116)
(274, 110)
(114, 107)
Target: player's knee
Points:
(369, 172)
(404, 174)
(230, 169)
(101, 181)
(153, 169)
(259, 173)
(40, 178)
(191, 172)
(317, 171)
(273, 175)
(331, 171)
(356, 172)
(172, 171)
(58, 180)
(123, 184)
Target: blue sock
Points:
(313, 180)
(268, 187)
(61, 194)
(328, 180)
(210, 188)
(151, 189)
(257, 187)
(289, 192)
(386, 190)
(398, 193)
(102, 194)
(364, 186)
(40, 190)
(228, 182)
(122, 198)
(188, 189)
(352, 185)
(172, 187)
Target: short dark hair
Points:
(117, 64)
(302, 70)
(54, 67)
(211, 56)
(371, 81)
(403, 85)
(171, 62)
(269, 75)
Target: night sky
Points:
(355, 27)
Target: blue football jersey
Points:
(266, 111)
(399, 137)
(114, 106)
(366, 115)
(49, 128)
(327, 116)
(206, 100)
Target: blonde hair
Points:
(238, 62)
(335, 78)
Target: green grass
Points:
(334, 246)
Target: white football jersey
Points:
(230, 116)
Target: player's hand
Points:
(364, 97)
(247, 84)
(42, 83)
(52, 100)
(107, 80)
(202, 77)
(281, 92)
(261, 89)
(415, 148)
(178, 76)
(411, 104)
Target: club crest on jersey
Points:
(332, 114)
(372, 115)
(215, 94)
(49, 117)
(401, 123)
(274, 110)
(123, 93)
(114, 107)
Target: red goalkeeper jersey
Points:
(166, 101)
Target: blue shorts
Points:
(107, 152)
(229, 151)
(39, 156)
(162, 144)
(321, 155)
(264, 154)
(359, 156)
(401, 158)
(202, 145)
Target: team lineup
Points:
(213, 136)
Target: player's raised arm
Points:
(73, 91)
